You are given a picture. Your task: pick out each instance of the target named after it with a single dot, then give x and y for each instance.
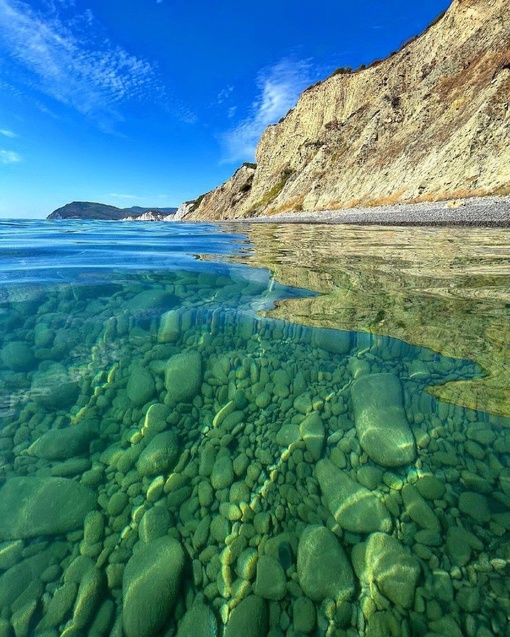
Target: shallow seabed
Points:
(189, 446)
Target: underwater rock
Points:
(42, 506)
(150, 586)
(312, 432)
(355, 508)
(334, 341)
(141, 386)
(61, 444)
(160, 455)
(381, 422)
(14, 581)
(249, 618)
(169, 327)
(418, 509)
(54, 388)
(322, 566)
(183, 376)
(271, 580)
(384, 559)
(199, 621)
(150, 302)
(18, 356)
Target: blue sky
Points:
(152, 102)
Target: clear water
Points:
(251, 431)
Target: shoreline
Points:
(490, 211)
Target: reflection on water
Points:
(173, 463)
(447, 289)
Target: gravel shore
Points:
(476, 211)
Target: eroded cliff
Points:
(430, 122)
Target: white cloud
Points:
(123, 196)
(7, 133)
(279, 89)
(9, 157)
(66, 60)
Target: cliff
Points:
(92, 210)
(430, 122)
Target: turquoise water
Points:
(176, 461)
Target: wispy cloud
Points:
(117, 195)
(9, 157)
(279, 88)
(7, 133)
(67, 61)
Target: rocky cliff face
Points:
(430, 122)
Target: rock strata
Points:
(429, 122)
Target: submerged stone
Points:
(43, 506)
(61, 444)
(322, 566)
(150, 586)
(150, 302)
(354, 507)
(312, 432)
(160, 455)
(54, 388)
(334, 341)
(141, 386)
(199, 621)
(271, 580)
(18, 356)
(381, 422)
(183, 376)
(14, 581)
(395, 570)
(249, 618)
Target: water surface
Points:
(231, 430)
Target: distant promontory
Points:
(92, 210)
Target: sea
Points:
(254, 430)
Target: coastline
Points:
(489, 211)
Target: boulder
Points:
(312, 432)
(395, 570)
(160, 455)
(354, 507)
(150, 586)
(183, 376)
(141, 387)
(61, 444)
(248, 619)
(199, 621)
(30, 507)
(322, 566)
(381, 422)
(18, 356)
(54, 388)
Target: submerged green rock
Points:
(42, 506)
(183, 376)
(249, 618)
(354, 507)
(160, 455)
(61, 444)
(381, 422)
(384, 559)
(322, 566)
(141, 386)
(199, 621)
(150, 586)
(18, 356)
